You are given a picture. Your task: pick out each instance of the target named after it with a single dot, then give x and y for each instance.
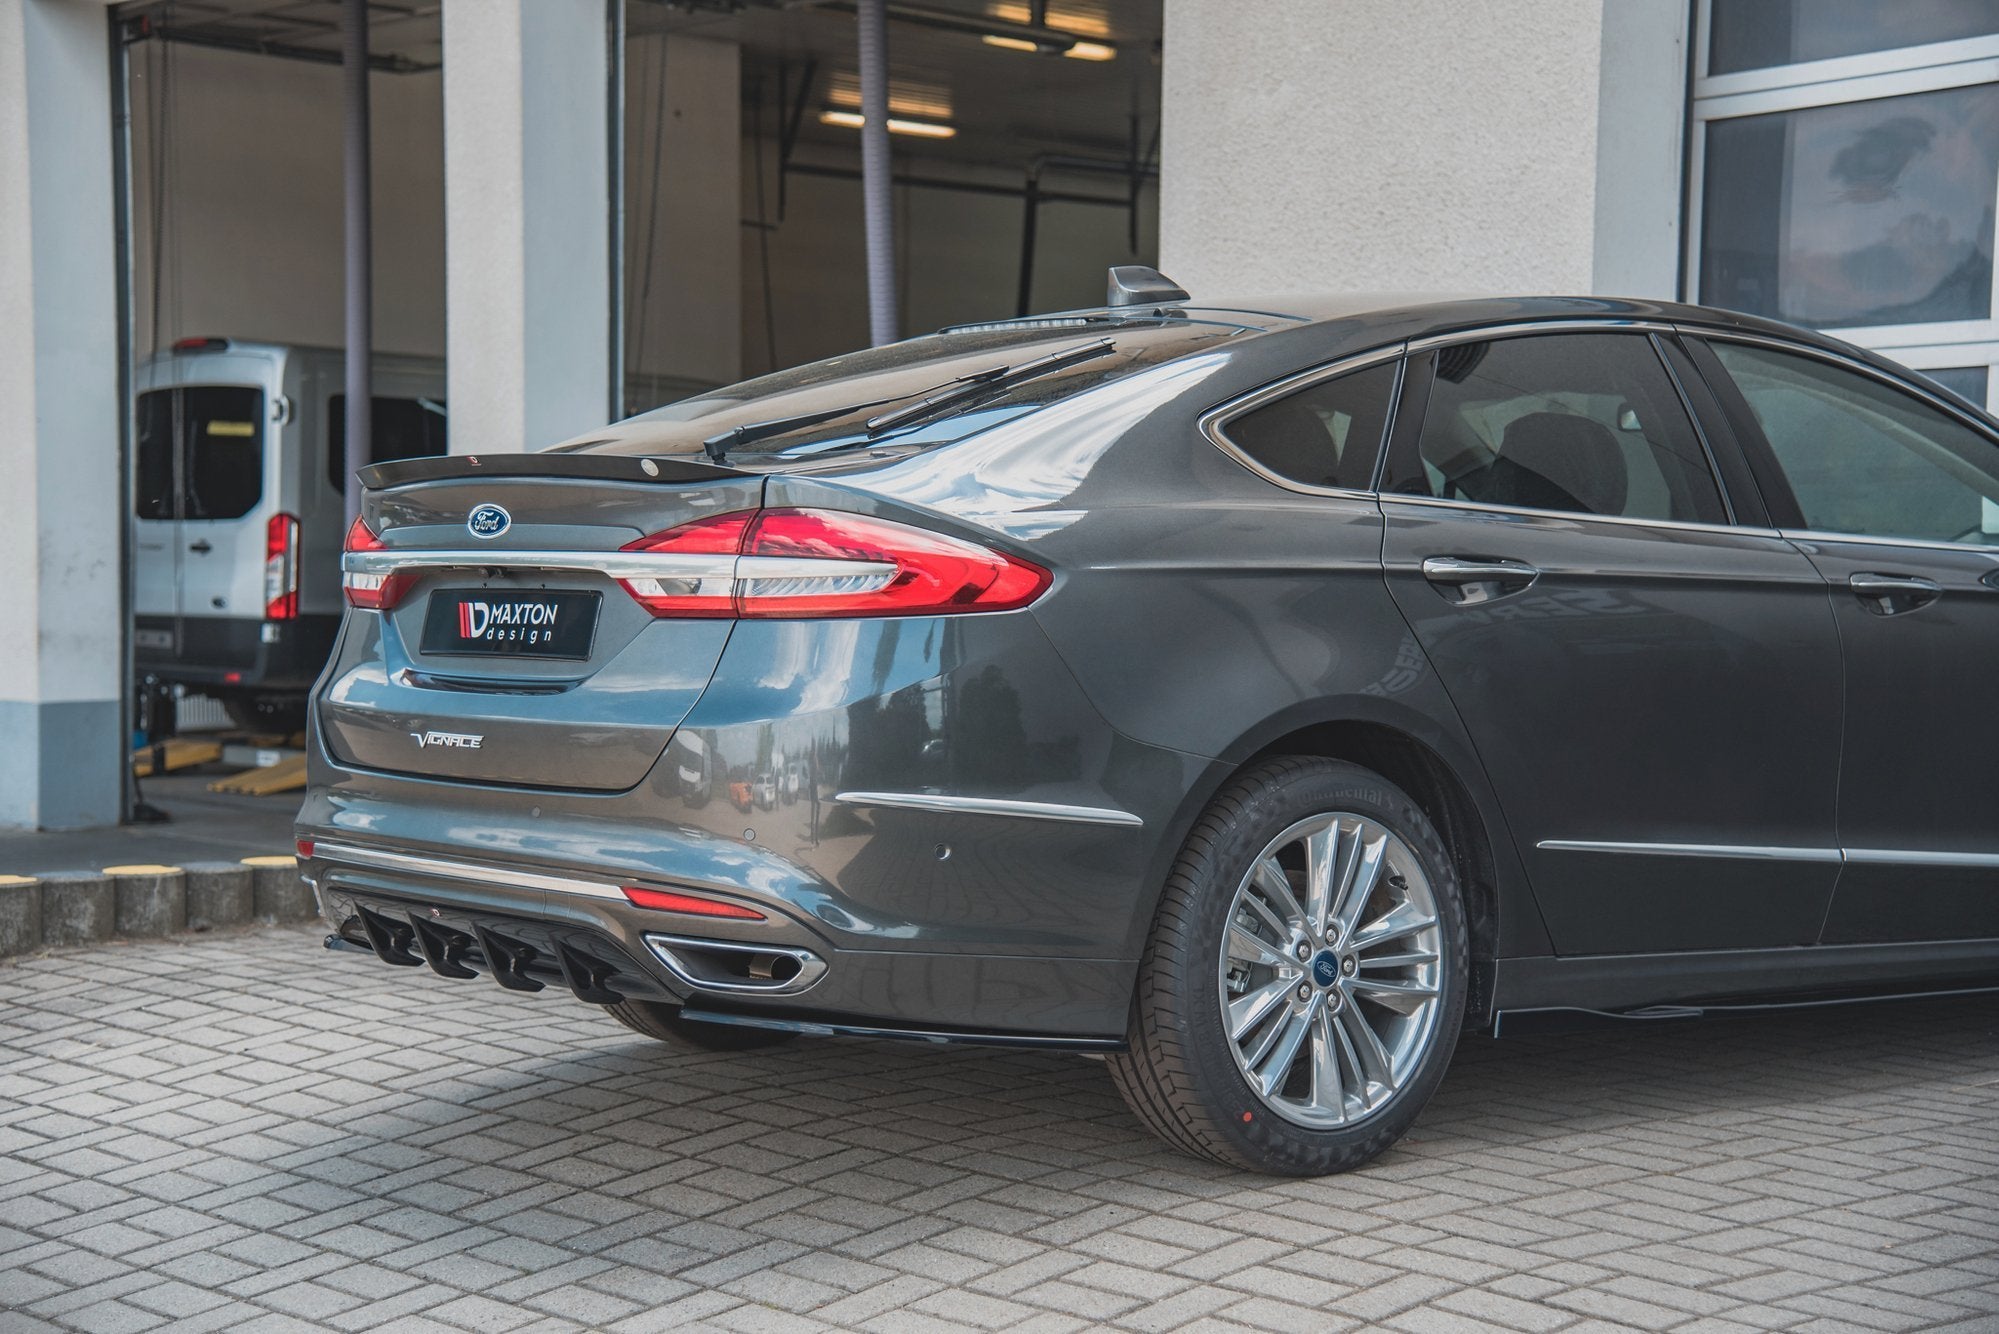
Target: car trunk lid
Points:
(513, 655)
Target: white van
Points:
(238, 512)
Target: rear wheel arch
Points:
(1477, 842)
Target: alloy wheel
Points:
(1331, 970)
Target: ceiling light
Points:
(1090, 51)
(1065, 19)
(1010, 43)
(921, 129)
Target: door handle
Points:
(1454, 570)
(1893, 594)
(1473, 581)
(201, 547)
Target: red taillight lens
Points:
(371, 592)
(799, 564)
(707, 588)
(281, 568)
(304, 848)
(667, 901)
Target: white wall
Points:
(250, 150)
(62, 748)
(1422, 145)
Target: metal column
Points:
(360, 282)
(877, 202)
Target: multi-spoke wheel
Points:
(1305, 980)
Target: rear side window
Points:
(401, 428)
(1587, 423)
(200, 452)
(1862, 457)
(1328, 434)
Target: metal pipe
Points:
(360, 266)
(871, 21)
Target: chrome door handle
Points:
(1892, 594)
(1453, 570)
(201, 548)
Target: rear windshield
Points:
(879, 380)
(399, 428)
(201, 452)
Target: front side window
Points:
(200, 452)
(1864, 458)
(1328, 434)
(1587, 423)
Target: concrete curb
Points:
(148, 901)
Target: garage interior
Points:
(1025, 140)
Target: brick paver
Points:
(242, 1132)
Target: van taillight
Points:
(800, 564)
(281, 568)
(371, 592)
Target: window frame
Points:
(1842, 81)
(1790, 522)
(1213, 423)
(1406, 426)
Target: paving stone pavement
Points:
(242, 1132)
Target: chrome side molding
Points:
(449, 869)
(1855, 856)
(1029, 810)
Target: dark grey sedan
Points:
(1255, 698)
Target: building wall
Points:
(1422, 145)
(249, 230)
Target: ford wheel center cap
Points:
(488, 520)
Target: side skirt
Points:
(1795, 975)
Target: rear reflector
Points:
(693, 906)
(304, 847)
(201, 344)
(281, 568)
(371, 592)
(800, 564)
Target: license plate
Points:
(548, 624)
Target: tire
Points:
(1188, 1080)
(266, 714)
(664, 1023)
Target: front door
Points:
(1654, 691)
(1896, 500)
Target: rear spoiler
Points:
(668, 469)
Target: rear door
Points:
(1653, 688)
(1894, 495)
(203, 486)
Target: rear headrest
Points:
(1576, 457)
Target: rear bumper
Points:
(235, 652)
(533, 930)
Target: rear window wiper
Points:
(952, 391)
(1001, 377)
(736, 437)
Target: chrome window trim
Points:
(443, 868)
(1914, 543)
(1032, 810)
(1567, 324)
(1212, 422)
(1726, 851)
(1579, 516)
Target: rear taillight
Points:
(281, 568)
(799, 564)
(371, 592)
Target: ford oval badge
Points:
(488, 520)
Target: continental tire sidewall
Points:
(1223, 1118)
